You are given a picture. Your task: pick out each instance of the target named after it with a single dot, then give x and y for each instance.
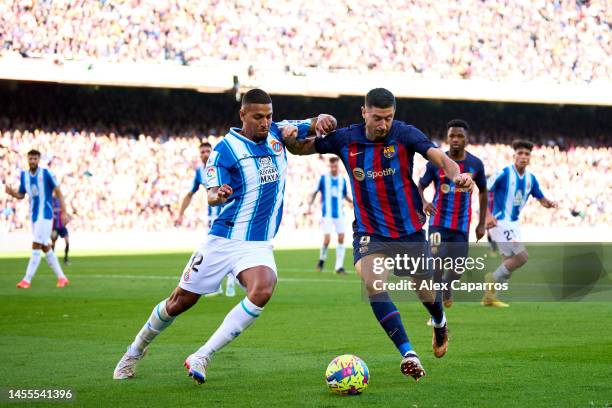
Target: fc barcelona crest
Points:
(389, 151)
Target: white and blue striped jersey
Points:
(333, 192)
(213, 211)
(511, 192)
(39, 187)
(256, 172)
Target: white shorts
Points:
(217, 257)
(329, 224)
(41, 231)
(507, 235)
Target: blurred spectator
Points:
(560, 41)
(113, 182)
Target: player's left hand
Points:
(325, 124)
(464, 180)
(480, 231)
(65, 217)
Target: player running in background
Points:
(40, 184)
(450, 213)
(333, 189)
(246, 174)
(213, 211)
(511, 188)
(378, 155)
(59, 228)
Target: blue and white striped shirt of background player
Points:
(39, 187)
(511, 192)
(256, 172)
(333, 191)
(213, 211)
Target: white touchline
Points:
(176, 278)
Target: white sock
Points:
(340, 249)
(442, 322)
(54, 264)
(323, 253)
(158, 321)
(32, 265)
(230, 281)
(501, 274)
(237, 320)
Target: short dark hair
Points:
(460, 123)
(205, 144)
(256, 96)
(379, 98)
(522, 144)
(34, 152)
(333, 159)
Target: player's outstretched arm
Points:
(451, 169)
(546, 203)
(184, 204)
(319, 126)
(295, 146)
(219, 195)
(14, 193)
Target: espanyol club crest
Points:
(389, 151)
(276, 146)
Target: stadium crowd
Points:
(115, 182)
(556, 40)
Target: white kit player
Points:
(333, 189)
(511, 188)
(40, 184)
(246, 174)
(213, 211)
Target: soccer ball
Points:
(347, 375)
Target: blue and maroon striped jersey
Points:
(454, 205)
(58, 222)
(387, 202)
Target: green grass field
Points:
(533, 354)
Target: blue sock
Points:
(389, 318)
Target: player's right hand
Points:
(224, 191)
(429, 208)
(491, 221)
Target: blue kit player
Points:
(511, 188)
(40, 185)
(246, 173)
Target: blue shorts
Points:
(413, 245)
(59, 232)
(448, 243)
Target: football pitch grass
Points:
(533, 354)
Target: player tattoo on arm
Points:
(295, 146)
